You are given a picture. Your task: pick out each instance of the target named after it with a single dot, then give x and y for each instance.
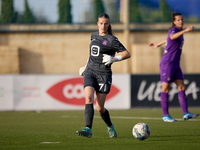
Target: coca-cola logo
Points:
(70, 91)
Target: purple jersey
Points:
(169, 66)
(173, 48)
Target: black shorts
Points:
(101, 83)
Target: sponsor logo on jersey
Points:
(71, 92)
(95, 50)
(105, 42)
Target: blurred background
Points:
(85, 11)
(40, 39)
(45, 36)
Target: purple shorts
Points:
(170, 71)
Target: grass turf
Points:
(56, 130)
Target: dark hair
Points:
(173, 17)
(107, 17)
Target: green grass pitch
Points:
(56, 130)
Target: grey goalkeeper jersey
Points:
(100, 45)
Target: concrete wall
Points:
(60, 49)
(146, 59)
(9, 60)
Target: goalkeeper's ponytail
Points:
(110, 28)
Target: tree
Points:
(64, 11)
(111, 8)
(134, 11)
(98, 9)
(8, 14)
(165, 11)
(28, 15)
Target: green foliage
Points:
(20, 18)
(64, 11)
(146, 14)
(191, 19)
(8, 14)
(134, 11)
(28, 15)
(98, 9)
(112, 11)
(149, 15)
(165, 11)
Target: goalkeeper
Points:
(98, 74)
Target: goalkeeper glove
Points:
(107, 59)
(81, 71)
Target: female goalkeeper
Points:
(98, 74)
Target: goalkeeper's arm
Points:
(107, 59)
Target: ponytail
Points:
(110, 29)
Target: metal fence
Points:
(83, 11)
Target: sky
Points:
(46, 7)
(49, 8)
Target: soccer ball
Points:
(141, 131)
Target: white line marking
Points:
(144, 118)
(64, 116)
(50, 142)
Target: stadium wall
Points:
(63, 49)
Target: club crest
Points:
(105, 42)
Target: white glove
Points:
(81, 71)
(107, 59)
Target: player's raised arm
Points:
(174, 36)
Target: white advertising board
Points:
(6, 93)
(64, 92)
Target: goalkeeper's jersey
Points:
(100, 45)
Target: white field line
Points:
(124, 117)
(49, 142)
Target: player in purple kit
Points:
(98, 74)
(170, 70)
